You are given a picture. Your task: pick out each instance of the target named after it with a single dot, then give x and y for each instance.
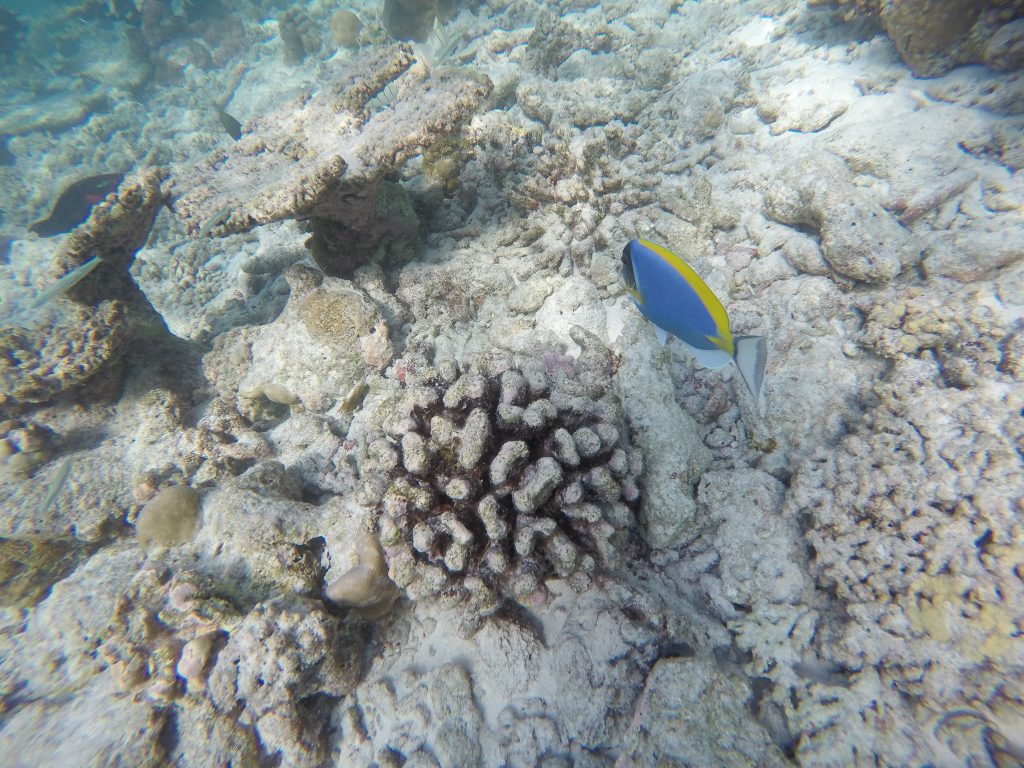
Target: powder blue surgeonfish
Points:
(673, 297)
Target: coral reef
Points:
(284, 693)
(292, 166)
(299, 35)
(24, 445)
(85, 347)
(345, 27)
(506, 477)
(169, 518)
(366, 586)
(913, 518)
(329, 337)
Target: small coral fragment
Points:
(170, 518)
(366, 586)
(345, 26)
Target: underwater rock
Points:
(170, 518)
(292, 163)
(285, 655)
(85, 726)
(691, 713)
(859, 238)
(506, 478)
(75, 202)
(260, 544)
(674, 454)
(207, 738)
(442, 727)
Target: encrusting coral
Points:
(169, 518)
(325, 159)
(499, 478)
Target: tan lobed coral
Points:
(325, 157)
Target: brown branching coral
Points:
(504, 477)
(325, 158)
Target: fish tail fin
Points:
(751, 356)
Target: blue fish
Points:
(671, 295)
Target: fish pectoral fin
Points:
(751, 359)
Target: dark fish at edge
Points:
(75, 203)
(6, 156)
(231, 125)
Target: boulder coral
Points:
(933, 36)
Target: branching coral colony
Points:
(497, 478)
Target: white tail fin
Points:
(751, 355)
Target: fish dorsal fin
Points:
(751, 358)
(661, 335)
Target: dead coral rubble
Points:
(914, 519)
(326, 156)
(505, 477)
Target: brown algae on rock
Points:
(170, 518)
(29, 567)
